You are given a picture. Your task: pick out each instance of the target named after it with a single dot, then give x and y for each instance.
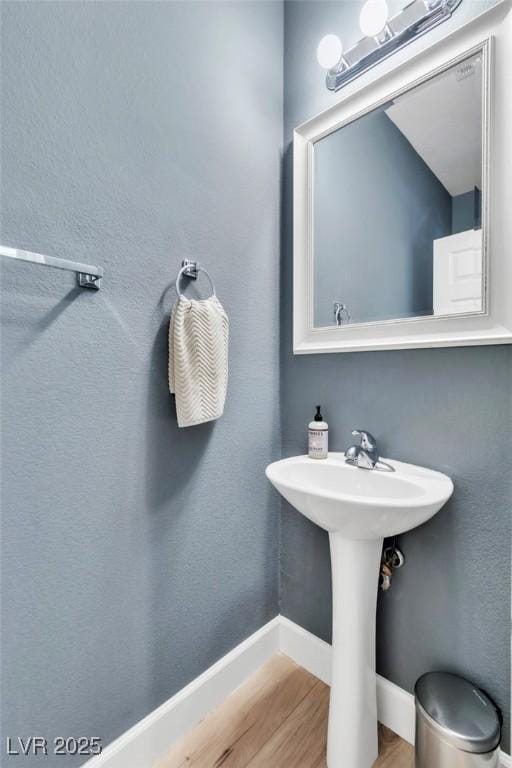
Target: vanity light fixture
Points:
(382, 37)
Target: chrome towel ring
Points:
(191, 269)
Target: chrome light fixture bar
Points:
(383, 37)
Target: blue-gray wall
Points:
(449, 409)
(134, 554)
(385, 270)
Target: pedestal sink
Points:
(358, 508)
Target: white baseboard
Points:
(150, 739)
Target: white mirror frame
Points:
(491, 31)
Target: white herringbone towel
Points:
(198, 359)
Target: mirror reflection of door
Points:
(458, 273)
(397, 206)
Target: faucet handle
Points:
(368, 442)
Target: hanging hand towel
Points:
(198, 359)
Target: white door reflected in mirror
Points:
(458, 273)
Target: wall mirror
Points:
(393, 206)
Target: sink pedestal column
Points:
(352, 735)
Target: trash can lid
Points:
(462, 714)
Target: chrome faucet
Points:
(364, 455)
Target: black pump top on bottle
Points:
(318, 415)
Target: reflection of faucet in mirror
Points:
(339, 309)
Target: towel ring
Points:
(190, 269)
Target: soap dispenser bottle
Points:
(318, 436)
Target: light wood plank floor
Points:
(277, 719)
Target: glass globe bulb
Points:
(329, 51)
(373, 17)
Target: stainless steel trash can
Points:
(457, 725)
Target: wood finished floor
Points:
(277, 719)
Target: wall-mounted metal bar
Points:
(87, 275)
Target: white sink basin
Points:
(358, 507)
(359, 503)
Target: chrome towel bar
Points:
(87, 275)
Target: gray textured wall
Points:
(385, 270)
(134, 554)
(448, 409)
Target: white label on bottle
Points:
(318, 443)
